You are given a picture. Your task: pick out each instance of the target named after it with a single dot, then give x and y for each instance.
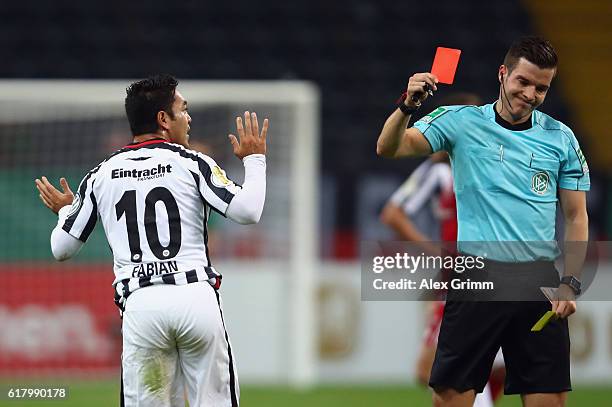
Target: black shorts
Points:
(473, 331)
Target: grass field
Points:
(105, 394)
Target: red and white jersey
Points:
(154, 200)
(420, 196)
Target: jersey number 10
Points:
(127, 206)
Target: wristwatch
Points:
(406, 109)
(573, 283)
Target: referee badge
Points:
(539, 182)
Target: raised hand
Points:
(51, 196)
(250, 141)
(418, 88)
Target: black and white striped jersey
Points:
(419, 195)
(153, 199)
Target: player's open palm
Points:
(53, 198)
(250, 140)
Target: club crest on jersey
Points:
(218, 177)
(433, 115)
(539, 182)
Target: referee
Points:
(511, 164)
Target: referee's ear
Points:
(501, 72)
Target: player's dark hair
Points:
(146, 98)
(534, 49)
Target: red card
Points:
(445, 64)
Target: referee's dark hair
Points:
(146, 98)
(534, 49)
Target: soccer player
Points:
(414, 211)
(511, 163)
(154, 198)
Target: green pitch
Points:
(105, 394)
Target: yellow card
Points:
(549, 315)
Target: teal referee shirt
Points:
(506, 178)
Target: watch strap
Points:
(573, 283)
(406, 110)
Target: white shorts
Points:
(175, 345)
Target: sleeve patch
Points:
(582, 160)
(433, 115)
(218, 177)
(77, 202)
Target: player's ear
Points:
(162, 120)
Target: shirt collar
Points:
(145, 143)
(492, 114)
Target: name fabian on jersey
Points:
(141, 175)
(154, 269)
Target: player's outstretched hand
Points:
(418, 88)
(53, 198)
(250, 141)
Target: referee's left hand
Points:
(53, 198)
(564, 304)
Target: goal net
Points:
(65, 128)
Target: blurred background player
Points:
(423, 210)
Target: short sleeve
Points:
(437, 127)
(574, 170)
(214, 185)
(83, 214)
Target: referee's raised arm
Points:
(395, 141)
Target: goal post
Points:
(66, 127)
